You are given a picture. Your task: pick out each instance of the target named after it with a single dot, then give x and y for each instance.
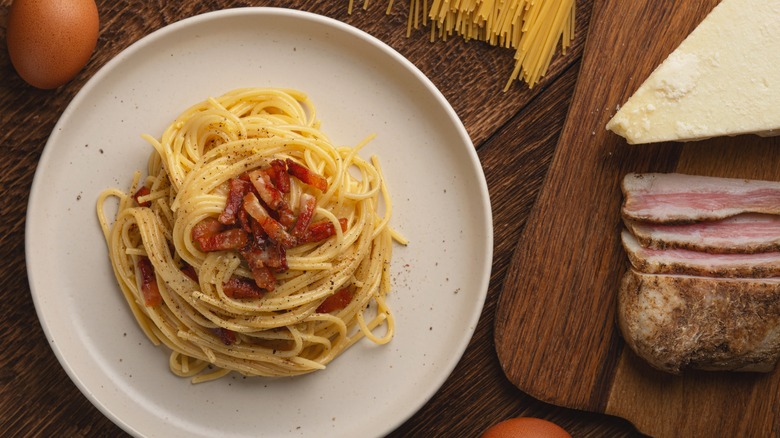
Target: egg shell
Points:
(525, 427)
(50, 41)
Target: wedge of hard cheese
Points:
(723, 80)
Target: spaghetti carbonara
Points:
(253, 244)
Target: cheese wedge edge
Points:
(722, 80)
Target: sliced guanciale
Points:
(142, 191)
(688, 262)
(209, 235)
(266, 189)
(339, 300)
(276, 257)
(258, 223)
(279, 176)
(149, 288)
(321, 230)
(228, 337)
(264, 277)
(265, 254)
(271, 196)
(305, 213)
(263, 260)
(744, 233)
(272, 227)
(190, 272)
(306, 175)
(678, 322)
(678, 198)
(206, 228)
(239, 288)
(238, 188)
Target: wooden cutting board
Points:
(555, 330)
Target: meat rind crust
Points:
(679, 323)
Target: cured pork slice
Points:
(744, 233)
(678, 198)
(687, 262)
(677, 323)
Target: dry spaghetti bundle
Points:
(533, 28)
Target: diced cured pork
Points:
(677, 323)
(744, 233)
(688, 262)
(678, 198)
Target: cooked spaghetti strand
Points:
(327, 260)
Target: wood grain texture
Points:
(515, 161)
(555, 324)
(515, 133)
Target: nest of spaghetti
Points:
(254, 244)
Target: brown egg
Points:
(50, 41)
(525, 427)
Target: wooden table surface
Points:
(515, 133)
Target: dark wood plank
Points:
(555, 325)
(573, 227)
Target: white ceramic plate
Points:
(360, 86)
